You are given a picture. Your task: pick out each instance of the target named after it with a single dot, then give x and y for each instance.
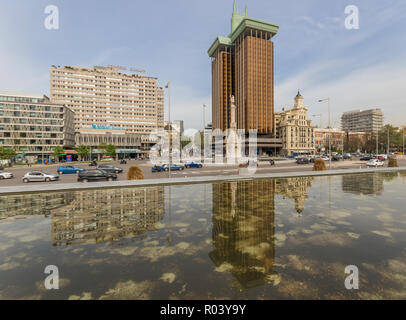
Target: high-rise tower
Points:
(242, 65)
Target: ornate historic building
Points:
(295, 129)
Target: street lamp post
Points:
(170, 127)
(318, 115)
(204, 117)
(329, 127)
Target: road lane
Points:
(207, 170)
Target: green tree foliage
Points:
(110, 150)
(83, 151)
(58, 152)
(7, 153)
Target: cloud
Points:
(379, 86)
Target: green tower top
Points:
(240, 22)
(236, 18)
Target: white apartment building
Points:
(105, 97)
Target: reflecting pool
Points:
(249, 239)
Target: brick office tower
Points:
(242, 65)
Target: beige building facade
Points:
(295, 129)
(105, 97)
(362, 120)
(32, 125)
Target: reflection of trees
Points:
(32, 204)
(369, 183)
(295, 188)
(243, 229)
(107, 215)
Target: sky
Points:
(314, 52)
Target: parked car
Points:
(347, 156)
(174, 167)
(68, 169)
(109, 168)
(337, 157)
(193, 165)
(325, 158)
(366, 158)
(5, 175)
(33, 176)
(384, 156)
(157, 168)
(96, 175)
(302, 161)
(375, 163)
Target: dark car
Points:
(302, 161)
(366, 158)
(193, 165)
(96, 175)
(337, 157)
(109, 168)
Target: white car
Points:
(39, 176)
(6, 175)
(375, 163)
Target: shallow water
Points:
(262, 239)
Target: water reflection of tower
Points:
(107, 215)
(243, 230)
(295, 188)
(370, 183)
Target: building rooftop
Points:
(102, 69)
(361, 110)
(239, 23)
(22, 95)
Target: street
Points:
(207, 170)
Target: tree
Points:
(395, 138)
(58, 151)
(7, 153)
(83, 151)
(102, 147)
(110, 150)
